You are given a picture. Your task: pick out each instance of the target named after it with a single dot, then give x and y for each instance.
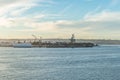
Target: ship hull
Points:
(22, 45)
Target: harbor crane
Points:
(37, 40)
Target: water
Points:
(98, 63)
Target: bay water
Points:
(97, 63)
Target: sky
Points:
(87, 19)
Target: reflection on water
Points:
(98, 63)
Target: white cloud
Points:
(65, 9)
(103, 16)
(93, 23)
(17, 7)
(12, 9)
(104, 23)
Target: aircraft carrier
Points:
(42, 43)
(71, 44)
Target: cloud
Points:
(99, 24)
(11, 12)
(17, 7)
(93, 23)
(66, 9)
(104, 24)
(103, 16)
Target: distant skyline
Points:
(87, 19)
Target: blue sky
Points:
(87, 19)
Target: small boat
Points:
(22, 45)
